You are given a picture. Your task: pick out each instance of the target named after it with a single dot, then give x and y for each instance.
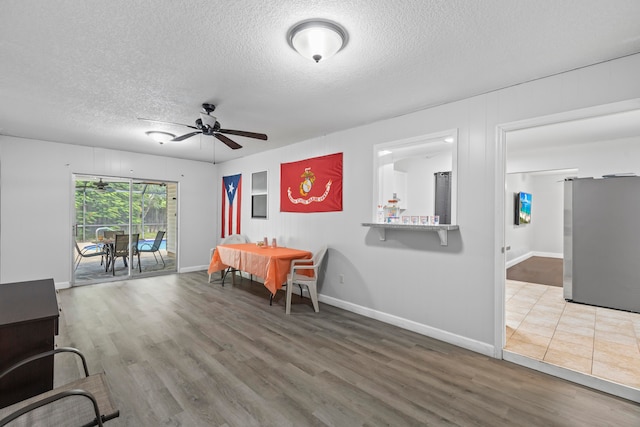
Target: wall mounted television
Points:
(522, 205)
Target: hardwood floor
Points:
(179, 351)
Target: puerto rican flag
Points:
(231, 205)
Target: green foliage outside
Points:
(110, 208)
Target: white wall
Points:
(36, 196)
(544, 235)
(409, 279)
(448, 292)
(518, 237)
(549, 214)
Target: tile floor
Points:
(598, 341)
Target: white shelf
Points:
(442, 230)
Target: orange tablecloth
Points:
(272, 264)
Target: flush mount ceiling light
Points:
(160, 137)
(317, 39)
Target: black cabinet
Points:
(28, 325)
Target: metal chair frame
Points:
(155, 247)
(122, 248)
(21, 408)
(85, 253)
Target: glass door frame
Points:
(74, 227)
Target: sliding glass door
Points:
(154, 217)
(122, 228)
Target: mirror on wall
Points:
(259, 195)
(420, 175)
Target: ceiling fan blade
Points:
(166, 123)
(230, 143)
(185, 136)
(244, 133)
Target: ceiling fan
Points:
(101, 185)
(209, 125)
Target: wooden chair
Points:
(300, 279)
(84, 402)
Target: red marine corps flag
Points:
(312, 185)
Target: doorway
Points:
(105, 210)
(591, 149)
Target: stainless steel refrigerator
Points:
(602, 242)
(443, 196)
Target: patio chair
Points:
(134, 249)
(153, 248)
(300, 279)
(86, 402)
(124, 250)
(89, 252)
(111, 234)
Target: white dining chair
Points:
(302, 280)
(229, 240)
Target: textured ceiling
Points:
(82, 72)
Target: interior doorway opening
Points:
(108, 208)
(580, 144)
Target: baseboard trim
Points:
(457, 340)
(548, 254)
(625, 392)
(194, 268)
(518, 260)
(62, 285)
(528, 255)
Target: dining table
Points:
(107, 245)
(270, 263)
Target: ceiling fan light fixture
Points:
(159, 136)
(317, 39)
(205, 125)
